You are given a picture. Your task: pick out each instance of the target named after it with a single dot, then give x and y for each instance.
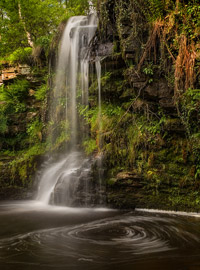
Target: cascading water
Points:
(63, 181)
(99, 163)
(74, 58)
(98, 70)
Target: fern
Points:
(157, 8)
(3, 123)
(151, 9)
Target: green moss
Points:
(90, 145)
(23, 173)
(111, 181)
(34, 131)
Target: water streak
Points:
(60, 180)
(98, 70)
(100, 158)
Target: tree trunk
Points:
(30, 42)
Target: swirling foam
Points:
(133, 236)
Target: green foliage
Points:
(156, 8)
(109, 116)
(154, 181)
(189, 111)
(34, 131)
(90, 116)
(44, 42)
(40, 93)
(77, 7)
(15, 92)
(21, 55)
(191, 11)
(14, 95)
(106, 78)
(149, 71)
(90, 146)
(186, 16)
(3, 123)
(15, 143)
(190, 105)
(24, 162)
(62, 138)
(59, 133)
(190, 199)
(39, 18)
(197, 174)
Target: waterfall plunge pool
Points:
(37, 236)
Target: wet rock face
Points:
(105, 49)
(16, 182)
(125, 31)
(162, 160)
(125, 190)
(160, 93)
(131, 179)
(158, 90)
(79, 188)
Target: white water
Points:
(57, 173)
(98, 70)
(100, 165)
(178, 213)
(71, 75)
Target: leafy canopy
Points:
(38, 18)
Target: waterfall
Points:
(99, 163)
(62, 181)
(74, 58)
(98, 70)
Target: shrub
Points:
(40, 93)
(34, 131)
(44, 42)
(21, 55)
(15, 92)
(3, 123)
(90, 146)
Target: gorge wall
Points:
(21, 114)
(150, 105)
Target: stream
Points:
(38, 236)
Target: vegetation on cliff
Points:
(150, 124)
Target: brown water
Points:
(34, 236)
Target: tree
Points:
(25, 23)
(77, 7)
(28, 23)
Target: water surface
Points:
(35, 236)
